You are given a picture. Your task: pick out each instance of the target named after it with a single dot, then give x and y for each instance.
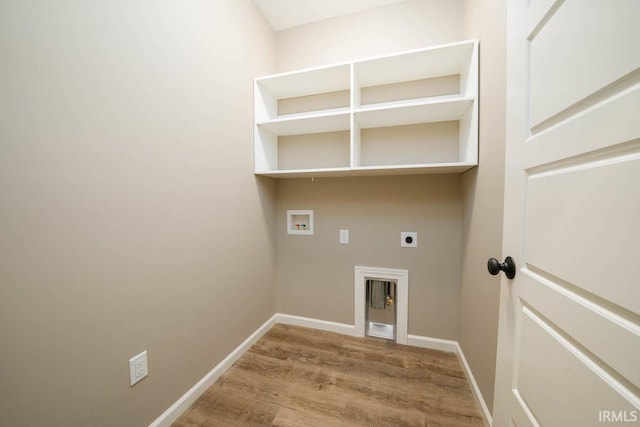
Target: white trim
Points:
(323, 325)
(488, 420)
(433, 343)
(402, 298)
(183, 403)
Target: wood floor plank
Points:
(297, 376)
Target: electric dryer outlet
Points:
(409, 239)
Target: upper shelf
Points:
(419, 64)
(307, 82)
(399, 113)
(308, 123)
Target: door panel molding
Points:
(572, 58)
(583, 134)
(561, 383)
(587, 214)
(597, 99)
(600, 331)
(520, 413)
(539, 13)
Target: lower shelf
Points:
(422, 169)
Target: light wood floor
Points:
(304, 377)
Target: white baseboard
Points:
(182, 404)
(454, 347)
(433, 343)
(488, 420)
(323, 325)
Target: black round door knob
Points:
(508, 266)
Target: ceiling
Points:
(283, 14)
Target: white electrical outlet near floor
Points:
(138, 368)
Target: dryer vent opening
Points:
(381, 312)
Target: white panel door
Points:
(569, 333)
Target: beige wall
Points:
(130, 218)
(315, 273)
(400, 26)
(483, 197)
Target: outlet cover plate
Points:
(138, 368)
(412, 235)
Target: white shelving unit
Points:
(414, 112)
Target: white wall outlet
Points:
(409, 239)
(344, 237)
(138, 368)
